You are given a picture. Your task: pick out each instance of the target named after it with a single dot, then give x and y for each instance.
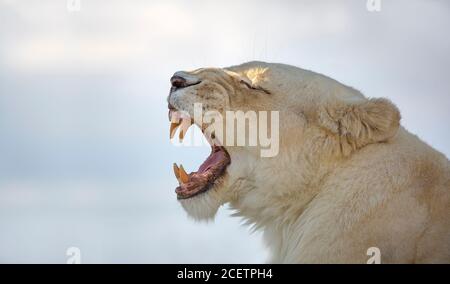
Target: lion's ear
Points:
(356, 124)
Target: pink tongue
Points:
(214, 158)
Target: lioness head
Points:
(320, 123)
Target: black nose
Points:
(178, 82)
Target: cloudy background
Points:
(85, 159)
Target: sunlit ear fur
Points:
(357, 124)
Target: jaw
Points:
(204, 206)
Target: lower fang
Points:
(176, 171)
(173, 129)
(181, 135)
(183, 175)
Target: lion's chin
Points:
(204, 206)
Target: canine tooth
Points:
(173, 129)
(183, 175)
(176, 170)
(185, 124)
(181, 134)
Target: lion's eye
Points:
(248, 85)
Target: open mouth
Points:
(210, 171)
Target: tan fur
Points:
(348, 177)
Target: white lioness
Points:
(347, 176)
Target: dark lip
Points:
(203, 190)
(206, 188)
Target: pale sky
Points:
(85, 158)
